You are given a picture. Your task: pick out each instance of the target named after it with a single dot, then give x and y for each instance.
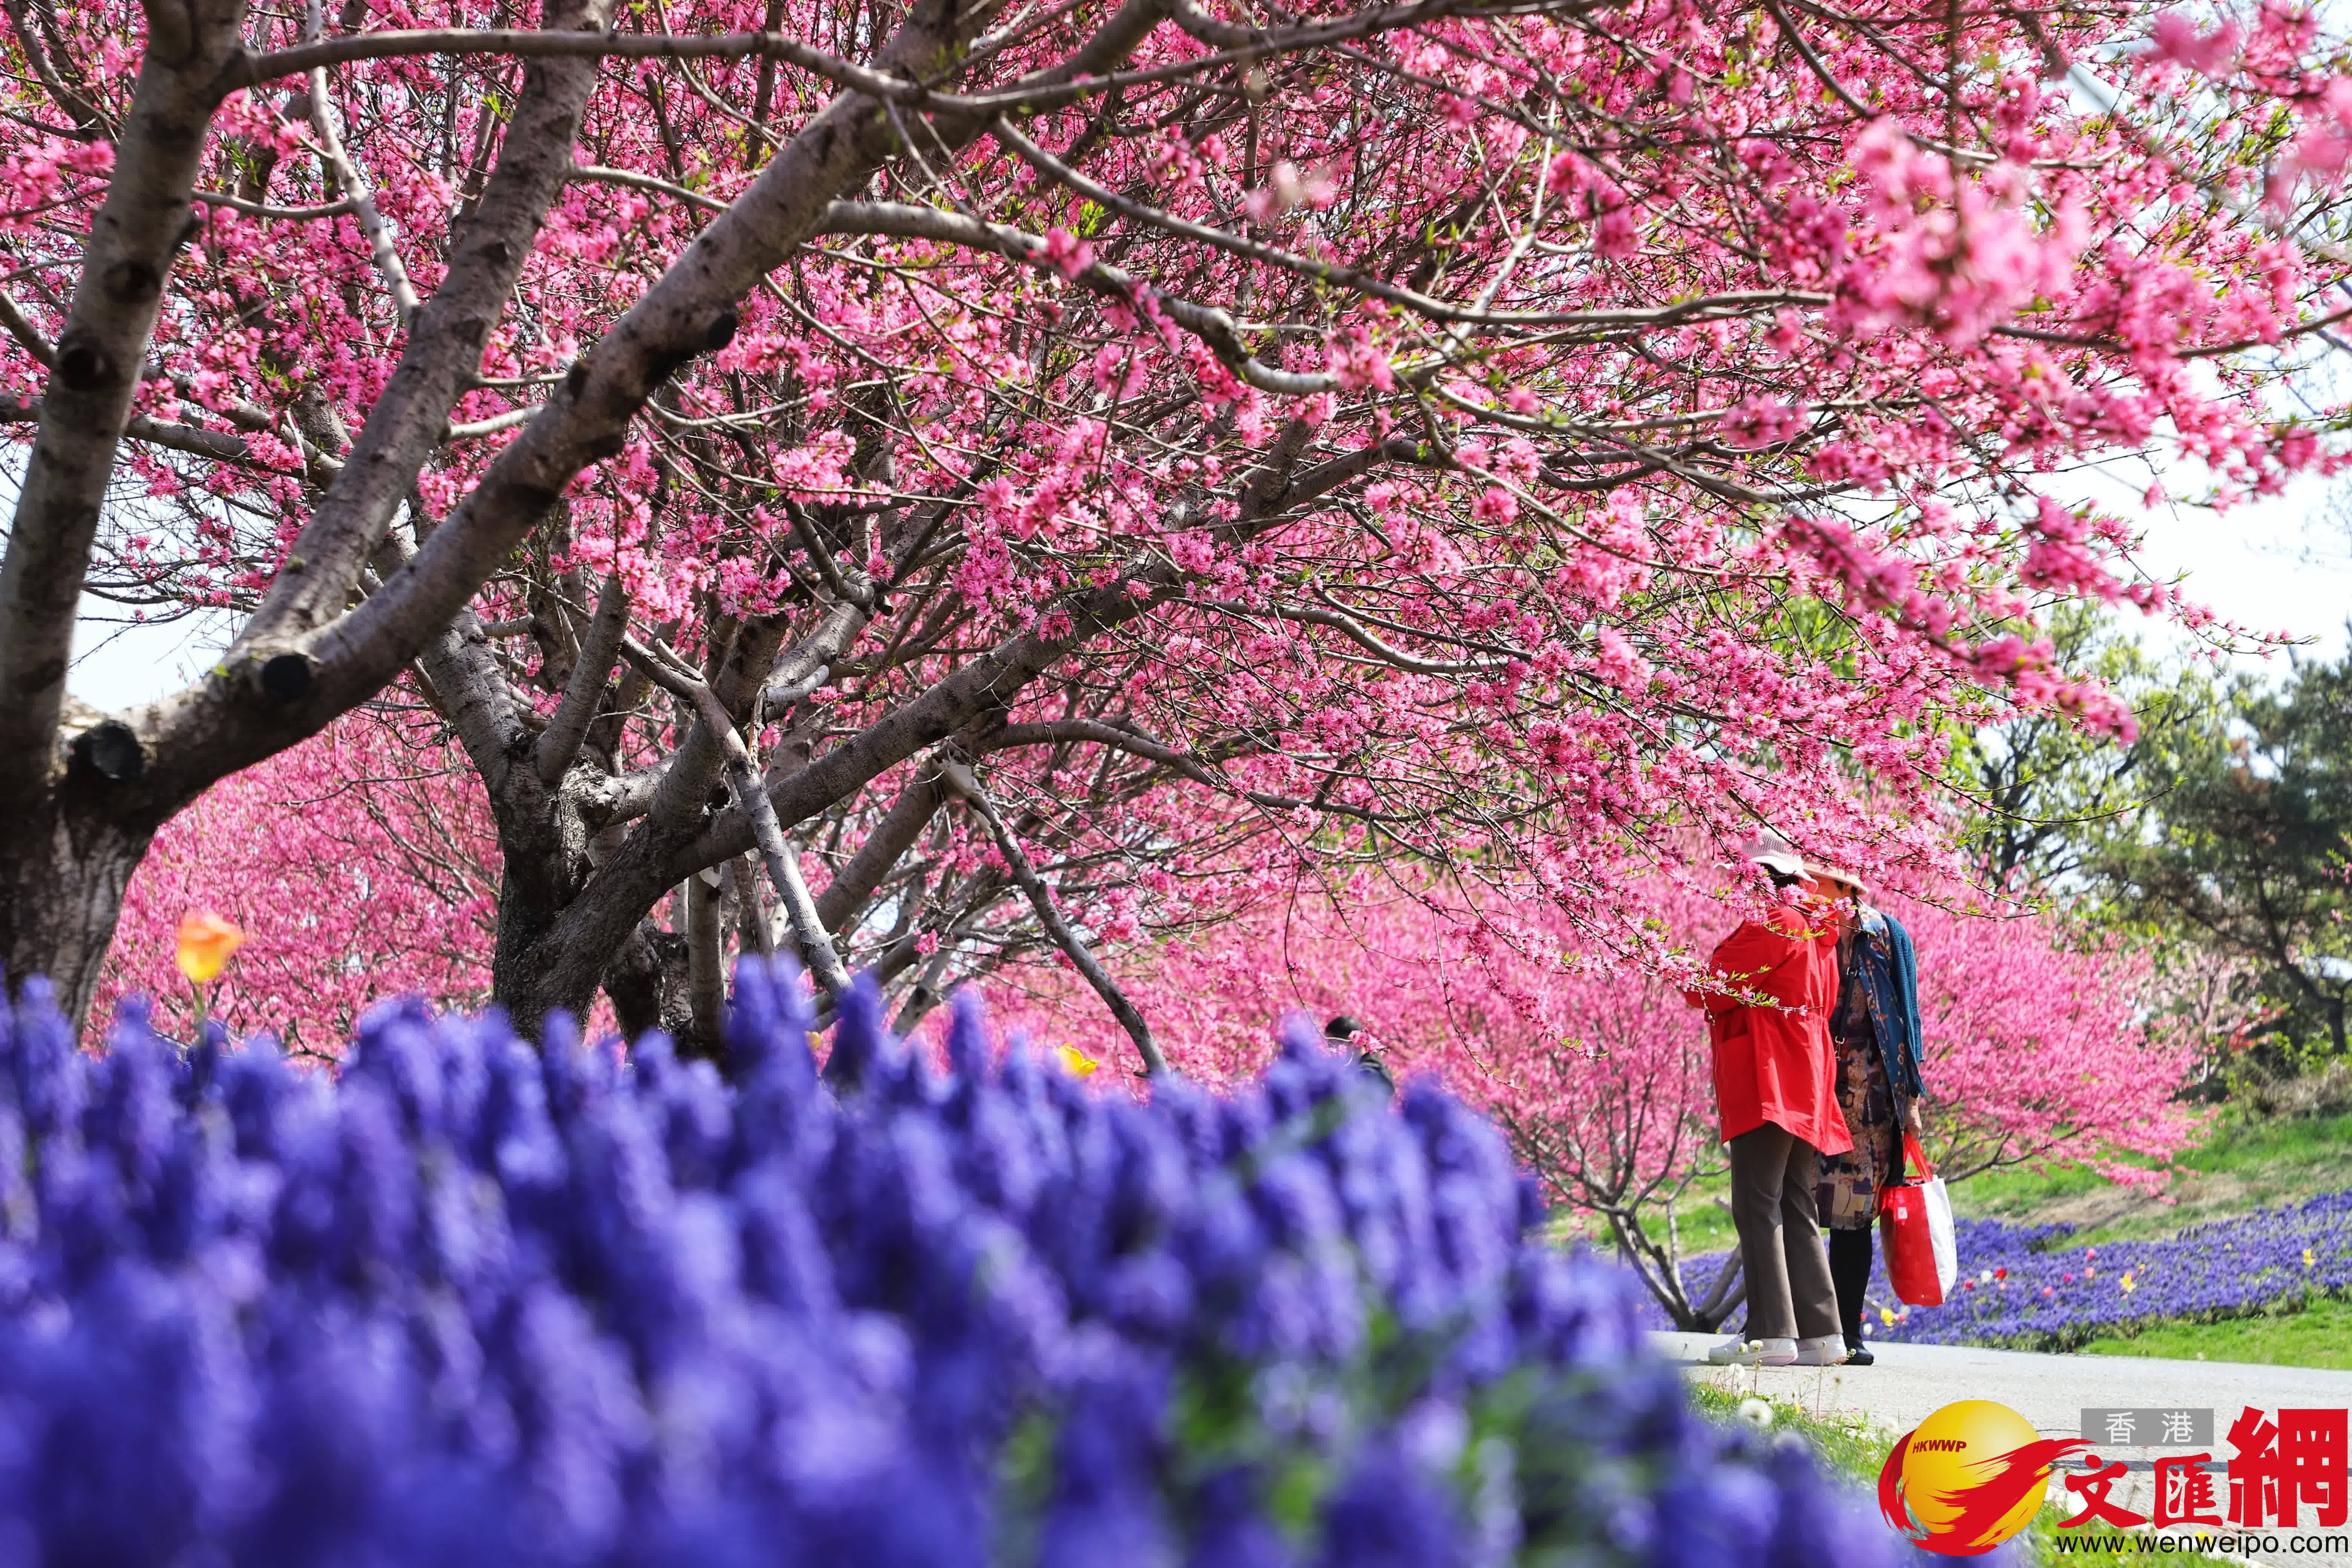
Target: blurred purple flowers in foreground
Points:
(477, 1304)
(2034, 1288)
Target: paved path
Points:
(2050, 1391)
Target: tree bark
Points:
(69, 849)
(61, 888)
(706, 977)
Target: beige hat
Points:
(1821, 871)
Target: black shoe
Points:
(1858, 1355)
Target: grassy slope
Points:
(2319, 1335)
(1857, 1449)
(2243, 1163)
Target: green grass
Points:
(2318, 1334)
(2244, 1161)
(1703, 1219)
(1857, 1448)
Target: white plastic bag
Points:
(1940, 1231)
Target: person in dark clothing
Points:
(1875, 1029)
(1342, 1032)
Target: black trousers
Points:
(1849, 1272)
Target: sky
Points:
(117, 667)
(2282, 564)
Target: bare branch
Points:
(751, 798)
(1739, 302)
(263, 209)
(1207, 322)
(252, 69)
(960, 779)
(1361, 635)
(28, 336)
(852, 886)
(345, 170)
(597, 174)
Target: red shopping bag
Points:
(1914, 1231)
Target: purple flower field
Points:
(472, 1303)
(2033, 1288)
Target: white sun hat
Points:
(1773, 853)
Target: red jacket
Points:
(1776, 1064)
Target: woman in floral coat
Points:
(1875, 1031)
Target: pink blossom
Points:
(1069, 254)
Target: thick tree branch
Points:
(706, 970)
(852, 888)
(218, 445)
(225, 724)
(89, 124)
(437, 366)
(466, 683)
(98, 361)
(553, 752)
(690, 310)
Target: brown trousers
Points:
(1790, 1295)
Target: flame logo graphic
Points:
(1974, 1479)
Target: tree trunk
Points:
(648, 983)
(62, 876)
(705, 970)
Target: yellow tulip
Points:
(205, 943)
(1076, 1062)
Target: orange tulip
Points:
(206, 940)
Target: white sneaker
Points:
(1739, 1351)
(1826, 1349)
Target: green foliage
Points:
(2217, 841)
(2048, 798)
(2244, 851)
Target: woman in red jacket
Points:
(1775, 1090)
